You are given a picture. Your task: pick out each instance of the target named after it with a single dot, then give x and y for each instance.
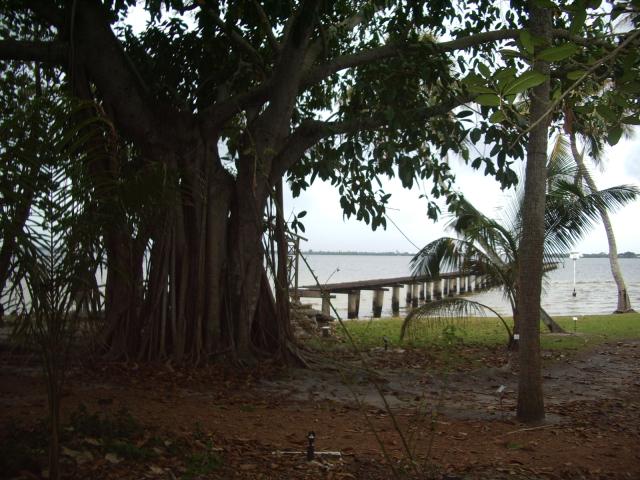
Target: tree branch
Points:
(311, 132)
(266, 26)
(46, 10)
(49, 52)
(234, 36)
(115, 76)
(364, 57)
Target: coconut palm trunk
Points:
(624, 304)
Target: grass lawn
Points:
(587, 331)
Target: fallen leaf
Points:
(112, 458)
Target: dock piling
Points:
(437, 289)
(395, 301)
(378, 298)
(452, 286)
(415, 295)
(353, 306)
(326, 304)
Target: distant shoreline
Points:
(409, 254)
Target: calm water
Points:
(596, 291)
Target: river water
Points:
(595, 288)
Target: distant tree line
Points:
(348, 252)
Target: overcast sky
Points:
(327, 230)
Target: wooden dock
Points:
(418, 289)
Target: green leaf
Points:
(527, 41)
(488, 100)
(630, 87)
(497, 117)
(576, 74)
(631, 120)
(480, 89)
(505, 74)
(579, 18)
(509, 53)
(475, 135)
(464, 114)
(555, 54)
(473, 79)
(614, 134)
(302, 213)
(606, 113)
(484, 70)
(527, 80)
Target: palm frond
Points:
(496, 241)
(449, 311)
(441, 255)
(570, 213)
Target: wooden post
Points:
(445, 287)
(422, 295)
(378, 297)
(353, 304)
(427, 292)
(452, 286)
(415, 294)
(437, 289)
(326, 303)
(395, 301)
(408, 296)
(462, 284)
(296, 295)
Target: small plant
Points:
(122, 425)
(202, 463)
(129, 451)
(22, 449)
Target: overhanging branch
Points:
(311, 132)
(48, 52)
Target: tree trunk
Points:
(530, 406)
(246, 257)
(123, 296)
(285, 335)
(624, 303)
(551, 324)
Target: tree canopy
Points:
(223, 100)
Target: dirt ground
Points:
(456, 423)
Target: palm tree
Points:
(490, 247)
(594, 136)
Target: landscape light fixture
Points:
(311, 436)
(574, 256)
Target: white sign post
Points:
(574, 256)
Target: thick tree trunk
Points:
(123, 296)
(530, 406)
(246, 269)
(623, 303)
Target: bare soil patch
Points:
(220, 423)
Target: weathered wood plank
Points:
(375, 284)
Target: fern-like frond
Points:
(449, 311)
